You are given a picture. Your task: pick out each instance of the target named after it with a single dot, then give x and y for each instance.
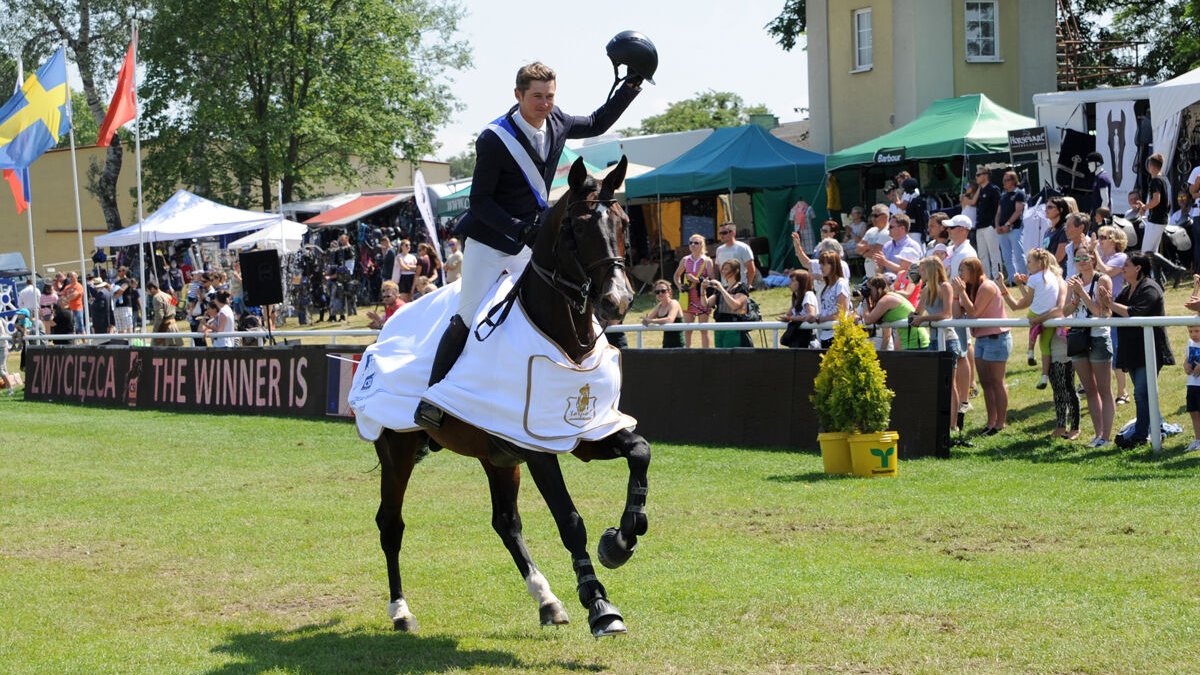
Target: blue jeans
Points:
(1011, 253)
(1141, 394)
(77, 319)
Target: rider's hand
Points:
(529, 233)
(633, 81)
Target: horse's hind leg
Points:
(617, 544)
(603, 617)
(397, 455)
(504, 482)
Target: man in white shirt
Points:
(959, 228)
(28, 297)
(876, 236)
(888, 259)
(732, 249)
(453, 264)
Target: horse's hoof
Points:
(605, 620)
(406, 624)
(611, 549)
(553, 614)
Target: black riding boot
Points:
(429, 416)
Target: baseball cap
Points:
(959, 221)
(941, 248)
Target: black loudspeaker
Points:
(262, 283)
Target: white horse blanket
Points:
(515, 384)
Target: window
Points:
(863, 52)
(982, 30)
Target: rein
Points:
(576, 294)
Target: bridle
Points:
(577, 293)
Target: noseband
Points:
(577, 293)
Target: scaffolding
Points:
(1081, 59)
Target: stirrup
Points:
(428, 416)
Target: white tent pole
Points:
(87, 319)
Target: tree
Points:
(462, 165)
(96, 33)
(790, 24)
(707, 110)
(242, 93)
(1171, 29)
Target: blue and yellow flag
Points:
(34, 119)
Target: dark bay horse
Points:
(576, 270)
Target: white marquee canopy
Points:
(187, 216)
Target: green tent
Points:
(950, 127)
(458, 202)
(745, 159)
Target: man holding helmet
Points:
(516, 158)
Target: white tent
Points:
(186, 216)
(1168, 100)
(287, 232)
(631, 171)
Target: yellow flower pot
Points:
(835, 451)
(875, 455)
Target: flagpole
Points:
(28, 189)
(137, 152)
(87, 319)
(37, 320)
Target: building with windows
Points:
(875, 65)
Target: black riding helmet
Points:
(636, 52)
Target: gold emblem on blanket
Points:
(580, 409)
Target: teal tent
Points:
(966, 126)
(744, 159)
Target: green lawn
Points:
(136, 541)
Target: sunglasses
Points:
(695, 243)
(726, 231)
(1103, 238)
(660, 291)
(1083, 260)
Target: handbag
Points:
(752, 312)
(1078, 340)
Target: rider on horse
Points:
(516, 159)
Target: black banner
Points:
(742, 397)
(1024, 141)
(292, 380)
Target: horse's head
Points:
(585, 243)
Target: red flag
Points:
(124, 102)
(18, 190)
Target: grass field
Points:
(138, 541)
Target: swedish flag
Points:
(34, 119)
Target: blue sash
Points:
(505, 132)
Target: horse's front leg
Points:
(617, 544)
(504, 483)
(603, 617)
(397, 456)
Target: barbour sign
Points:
(889, 156)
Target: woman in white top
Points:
(1094, 366)
(835, 296)
(1043, 294)
(223, 320)
(405, 270)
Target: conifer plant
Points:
(850, 392)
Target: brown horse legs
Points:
(397, 456)
(603, 617)
(503, 483)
